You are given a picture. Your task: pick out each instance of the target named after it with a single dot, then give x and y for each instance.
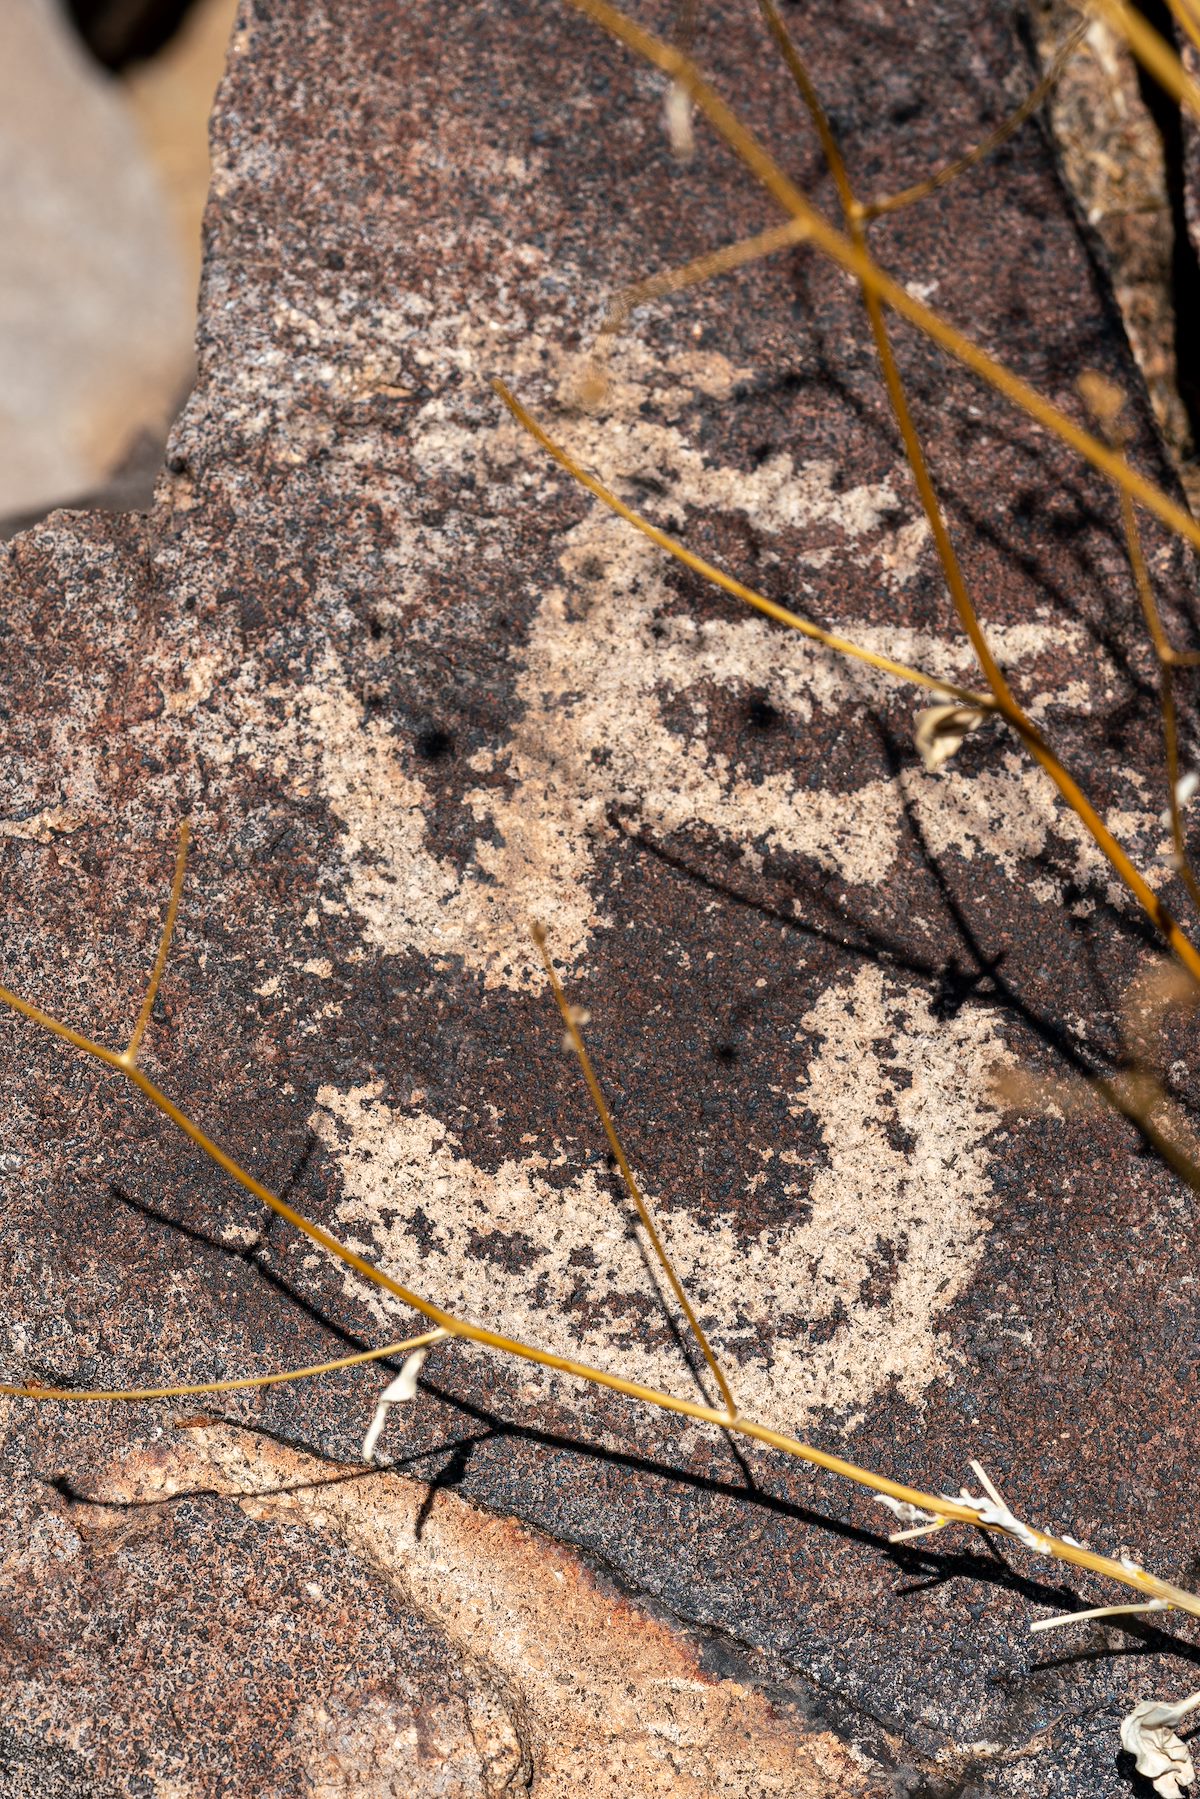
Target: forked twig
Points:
(164, 946)
(987, 146)
(31, 1390)
(963, 1509)
(688, 274)
(782, 237)
(1070, 789)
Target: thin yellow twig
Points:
(950, 171)
(32, 1391)
(1185, 14)
(947, 555)
(838, 248)
(571, 1024)
(1096, 1611)
(701, 268)
(164, 947)
(1150, 48)
(781, 614)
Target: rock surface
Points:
(414, 690)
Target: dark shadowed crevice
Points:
(1165, 111)
(118, 32)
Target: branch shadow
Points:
(925, 1569)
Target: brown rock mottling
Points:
(411, 687)
(568, 1685)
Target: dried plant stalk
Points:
(879, 289)
(987, 146)
(987, 1513)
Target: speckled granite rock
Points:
(414, 690)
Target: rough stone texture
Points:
(414, 689)
(1113, 161)
(518, 1658)
(94, 301)
(1191, 151)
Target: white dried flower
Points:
(919, 1523)
(1185, 788)
(404, 1387)
(579, 1016)
(941, 729)
(680, 130)
(1148, 1734)
(993, 1510)
(907, 1514)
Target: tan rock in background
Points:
(171, 97)
(95, 308)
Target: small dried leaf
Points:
(941, 729)
(1105, 401)
(1148, 1734)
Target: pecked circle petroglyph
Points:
(846, 1301)
(818, 1325)
(815, 1326)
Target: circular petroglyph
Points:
(829, 1311)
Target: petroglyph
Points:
(608, 652)
(816, 1325)
(615, 683)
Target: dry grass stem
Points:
(987, 146)
(164, 946)
(989, 1513)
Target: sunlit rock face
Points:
(415, 692)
